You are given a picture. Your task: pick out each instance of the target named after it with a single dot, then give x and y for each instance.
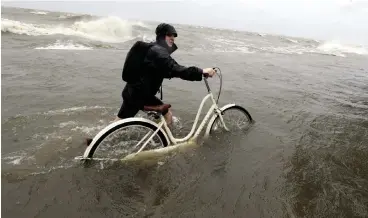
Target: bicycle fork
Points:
(219, 112)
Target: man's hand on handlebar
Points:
(209, 72)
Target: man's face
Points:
(170, 40)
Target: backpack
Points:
(134, 61)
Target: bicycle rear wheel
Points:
(236, 118)
(124, 138)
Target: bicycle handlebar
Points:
(206, 82)
(205, 76)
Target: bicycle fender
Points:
(208, 129)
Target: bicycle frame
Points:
(213, 112)
(213, 109)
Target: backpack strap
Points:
(160, 91)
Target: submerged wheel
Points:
(119, 140)
(236, 118)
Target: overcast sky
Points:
(344, 20)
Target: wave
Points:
(107, 29)
(75, 17)
(69, 45)
(284, 50)
(334, 47)
(39, 12)
(327, 48)
(290, 40)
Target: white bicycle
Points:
(133, 135)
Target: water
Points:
(306, 155)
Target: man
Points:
(158, 65)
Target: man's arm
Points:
(170, 68)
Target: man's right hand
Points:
(209, 72)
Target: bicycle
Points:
(164, 137)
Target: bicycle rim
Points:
(236, 119)
(126, 140)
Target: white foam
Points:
(229, 45)
(228, 41)
(88, 130)
(39, 12)
(175, 119)
(327, 48)
(69, 45)
(141, 24)
(107, 29)
(110, 29)
(334, 47)
(73, 109)
(14, 160)
(244, 50)
(291, 40)
(69, 123)
(65, 166)
(17, 158)
(66, 16)
(285, 50)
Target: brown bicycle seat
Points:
(158, 108)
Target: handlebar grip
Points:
(206, 75)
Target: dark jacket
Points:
(158, 65)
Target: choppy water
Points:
(306, 155)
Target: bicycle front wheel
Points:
(236, 118)
(123, 139)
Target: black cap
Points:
(164, 29)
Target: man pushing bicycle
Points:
(150, 63)
(145, 67)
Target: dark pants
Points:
(133, 101)
(131, 108)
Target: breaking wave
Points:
(39, 12)
(107, 29)
(334, 47)
(75, 17)
(290, 46)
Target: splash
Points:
(107, 29)
(334, 47)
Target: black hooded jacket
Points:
(158, 64)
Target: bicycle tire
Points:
(233, 107)
(123, 125)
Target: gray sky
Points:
(342, 20)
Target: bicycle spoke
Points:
(126, 141)
(142, 139)
(145, 144)
(235, 119)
